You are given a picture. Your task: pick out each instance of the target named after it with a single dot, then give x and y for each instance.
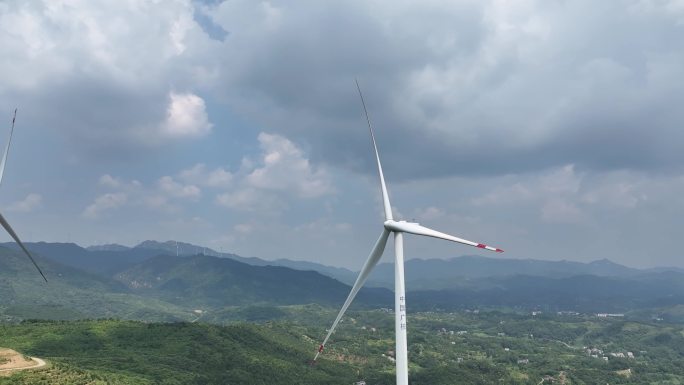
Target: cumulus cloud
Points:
(97, 83)
(109, 181)
(564, 195)
(284, 168)
(28, 204)
(280, 173)
(186, 117)
(265, 183)
(249, 199)
(534, 111)
(168, 186)
(200, 175)
(105, 202)
(466, 87)
(162, 196)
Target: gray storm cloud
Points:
(547, 123)
(465, 87)
(454, 88)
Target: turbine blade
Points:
(11, 232)
(383, 187)
(9, 141)
(415, 228)
(372, 260)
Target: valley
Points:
(153, 318)
(485, 347)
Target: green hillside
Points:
(484, 348)
(119, 352)
(165, 288)
(207, 281)
(72, 294)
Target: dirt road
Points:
(11, 361)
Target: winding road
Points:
(39, 364)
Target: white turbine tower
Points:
(3, 221)
(398, 228)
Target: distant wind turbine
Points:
(3, 221)
(398, 228)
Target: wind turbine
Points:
(398, 228)
(3, 221)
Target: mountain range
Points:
(148, 284)
(169, 281)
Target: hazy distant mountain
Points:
(171, 247)
(583, 293)
(421, 274)
(468, 270)
(104, 262)
(203, 280)
(186, 249)
(110, 259)
(339, 273)
(149, 284)
(159, 288)
(108, 247)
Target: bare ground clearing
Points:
(11, 361)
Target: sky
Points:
(551, 129)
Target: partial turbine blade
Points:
(415, 228)
(372, 260)
(9, 141)
(383, 187)
(3, 221)
(11, 232)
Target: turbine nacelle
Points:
(398, 226)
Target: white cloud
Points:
(109, 181)
(539, 110)
(28, 204)
(105, 202)
(450, 73)
(163, 196)
(284, 168)
(429, 213)
(186, 117)
(86, 71)
(281, 173)
(199, 175)
(157, 202)
(174, 189)
(250, 199)
(563, 195)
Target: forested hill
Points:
(162, 288)
(119, 352)
(203, 280)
